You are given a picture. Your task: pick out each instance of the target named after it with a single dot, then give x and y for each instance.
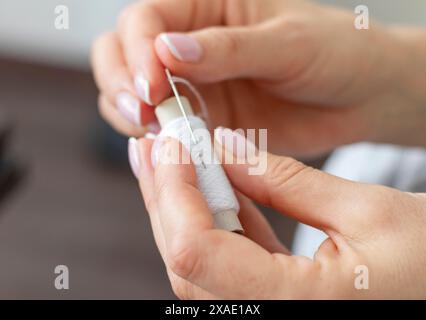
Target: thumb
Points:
(304, 193)
(221, 53)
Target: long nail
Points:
(150, 136)
(143, 89)
(129, 107)
(234, 142)
(182, 47)
(153, 127)
(133, 150)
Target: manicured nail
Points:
(234, 142)
(129, 107)
(153, 127)
(150, 136)
(133, 150)
(182, 47)
(142, 88)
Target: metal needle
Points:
(181, 107)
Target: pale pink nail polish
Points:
(133, 150)
(129, 107)
(150, 136)
(182, 46)
(234, 142)
(143, 89)
(153, 127)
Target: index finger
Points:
(142, 22)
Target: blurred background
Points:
(67, 195)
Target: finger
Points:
(182, 288)
(110, 113)
(308, 195)
(115, 82)
(109, 66)
(142, 22)
(222, 53)
(226, 264)
(257, 228)
(142, 149)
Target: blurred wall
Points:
(27, 26)
(27, 29)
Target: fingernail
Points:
(129, 108)
(234, 142)
(182, 47)
(153, 127)
(133, 150)
(150, 136)
(155, 151)
(142, 88)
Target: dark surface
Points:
(79, 204)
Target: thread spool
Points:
(212, 180)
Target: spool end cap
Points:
(228, 220)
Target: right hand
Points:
(299, 69)
(374, 250)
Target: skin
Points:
(304, 72)
(372, 226)
(268, 60)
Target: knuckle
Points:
(182, 258)
(233, 41)
(282, 170)
(125, 14)
(297, 29)
(229, 40)
(103, 40)
(101, 44)
(133, 14)
(304, 42)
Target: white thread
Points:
(198, 96)
(212, 180)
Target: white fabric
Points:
(400, 168)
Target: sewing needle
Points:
(180, 104)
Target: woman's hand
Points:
(297, 68)
(377, 229)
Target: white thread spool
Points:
(212, 180)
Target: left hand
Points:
(372, 226)
(298, 68)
